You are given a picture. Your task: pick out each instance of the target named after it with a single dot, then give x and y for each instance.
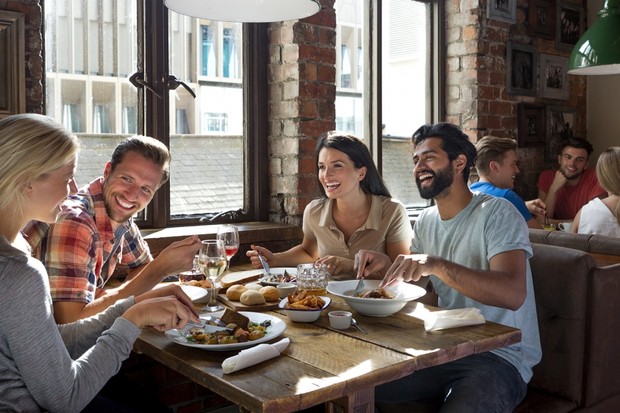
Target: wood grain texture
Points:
(322, 365)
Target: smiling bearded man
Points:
(95, 231)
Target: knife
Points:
(359, 288)
(263, 261)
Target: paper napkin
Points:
(254, 355)
(459, 317)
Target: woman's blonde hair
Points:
(608, 173)
(31, 146)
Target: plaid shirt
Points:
(76, 249)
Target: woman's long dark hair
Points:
(359, 154)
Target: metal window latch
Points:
(174, 82)
(137, 79)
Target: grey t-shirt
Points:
(49, 367)
(486, 227)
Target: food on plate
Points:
(234, 334)
(233, 317)
(234, 292)
(270, 293)
(254, 286)
(199, 283)
(303, 301)
(377, 293)
(285, 277)
(242, 277)
(252, 297)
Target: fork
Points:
(359, 288)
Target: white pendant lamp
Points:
(245, 11)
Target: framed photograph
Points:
(521, 70)
(560, 126)
(12, 63)
(569, 25)
(503, 10)
(541, 19)
(532, 128)
(553, 77)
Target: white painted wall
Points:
(603, 114)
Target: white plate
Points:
(279, 271)
(276, 328)
(198, 295)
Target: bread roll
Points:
(253, 286)
(234, 292)
(270, 293)
(252, 297)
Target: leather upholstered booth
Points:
(578, 304)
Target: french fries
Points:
(301, 300)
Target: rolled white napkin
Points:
(458, 317)
(254, 355)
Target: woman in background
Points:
(356, 212)
(44, 366)
(602, 216)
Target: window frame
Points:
(153, 61)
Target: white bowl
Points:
(375, 307)
(304, 316)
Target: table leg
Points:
(362, 401)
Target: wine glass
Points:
(230, 235)
(212, 261)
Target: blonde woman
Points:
(44, 366)
(602, 216)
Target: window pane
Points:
(90, 51)
(404, 91)
(206, 132)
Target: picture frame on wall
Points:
(12, 63)
(553, 77)
(503, 10)
(560, 126)
(532, 128)
(569, 25)
(541, 19)
(521, 64)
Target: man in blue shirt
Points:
(497, 168)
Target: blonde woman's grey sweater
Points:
(49, 367)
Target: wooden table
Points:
(322, 365)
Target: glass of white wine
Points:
(212, 261)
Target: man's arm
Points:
(549, 198)
(175, 258)
(503, 285)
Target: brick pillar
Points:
(302, 76)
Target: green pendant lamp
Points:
(598, 51)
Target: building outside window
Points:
(405, 102)
(103, 83)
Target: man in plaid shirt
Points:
(95, 231)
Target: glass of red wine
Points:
(229, 234)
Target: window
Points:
(103, 83)
(399, 42)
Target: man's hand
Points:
(536, 207)
(178, 256)
(559, 180)
(408, 268)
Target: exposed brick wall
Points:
(302, 76)
(476, 96)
